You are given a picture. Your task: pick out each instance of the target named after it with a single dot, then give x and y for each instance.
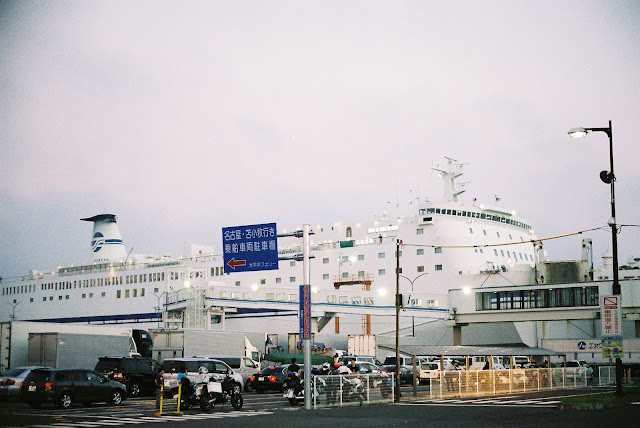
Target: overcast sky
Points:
(183, 117)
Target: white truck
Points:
(184, 343)
(75, 350)
(14, 338)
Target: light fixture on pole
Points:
(609, 177)
(413, 325)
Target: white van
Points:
(244, 366)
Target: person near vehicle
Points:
(183, 380)
(159, 386)
(293, 372)
(353, 367)
(333, 382)
(203, 375)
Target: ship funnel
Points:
(106, 242)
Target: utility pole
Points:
(398, 303)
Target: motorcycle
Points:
(293, 389)
(353, 389)
(215, 392)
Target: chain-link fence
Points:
(488, 382)
(338, 390)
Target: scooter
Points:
(293, 389)
(214, 392)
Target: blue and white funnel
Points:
(106, 242)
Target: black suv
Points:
(138, 374)
(65, 386)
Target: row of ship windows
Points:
(473, 214)
(127, 293)
(85, 283)
(332, 299)
(540, 298)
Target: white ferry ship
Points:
(445, 245)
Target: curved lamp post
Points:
(413, 324)
(609, 177)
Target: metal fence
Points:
(606, 375)
(509, 381)
(338, 390)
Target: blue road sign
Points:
(250, 248)
(305, 312)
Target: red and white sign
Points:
(611, 315)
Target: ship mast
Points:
(449, 176)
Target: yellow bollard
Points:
(159, 412)
(179, 397)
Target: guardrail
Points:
(509, 381)
(339, 390)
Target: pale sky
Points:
(183, 117)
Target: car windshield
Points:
(39, 375)
(108, 364)
(14, 372)
(268, 371)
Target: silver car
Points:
(10, 381)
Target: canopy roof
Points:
(462, 351)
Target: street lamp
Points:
(159, 296)
(413, 324)
(13, 311)
(609, 177)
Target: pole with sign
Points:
(611, 318)
(306, 314)
(250, 248)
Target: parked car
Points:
(220, 369)
(577, 369)
(138, 374)
(269, 379)
(63, 387)
(406, 374)
(404, 361)
(244, 366)
(10, 381)
(429, 371)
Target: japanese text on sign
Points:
(305, 312)
(250, 248)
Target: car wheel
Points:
(134, 389)
(237, 388)
(116, 397)
(248, 387)
(64, 400)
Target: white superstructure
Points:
(445, 245)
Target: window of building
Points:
(360, 256)
(292, 279)
(325, 261)
(292, 263)
(420, 231)
(325, 276)
(420, 268)
(278, 280)
(381, 255)
(437, 250)
(263, 281)
(420, 251)
(381, 271)
(126, 293)
(438, 267)
(349, 232)
(118, 294)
